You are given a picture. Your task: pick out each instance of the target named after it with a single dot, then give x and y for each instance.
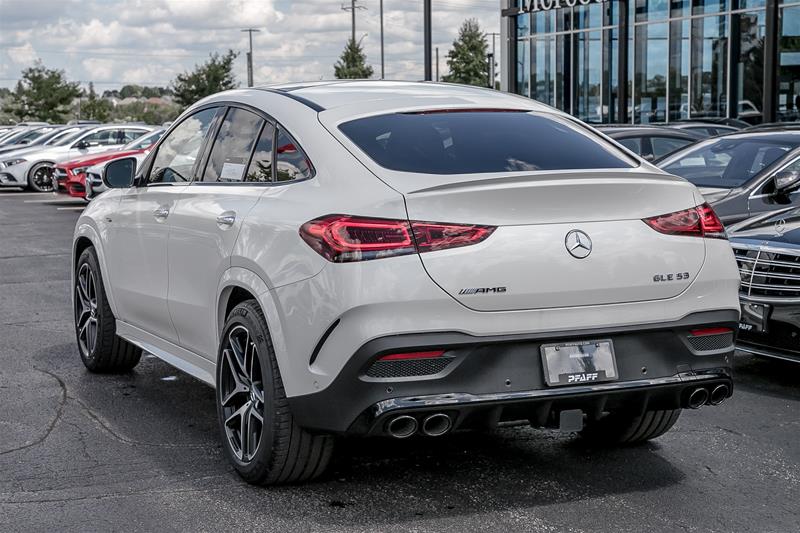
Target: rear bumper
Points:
(491, 379)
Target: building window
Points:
(650, 73)
(679, 69)
(523, 67)
(709, 67)
(750, 65)
(588, 76)
(789, 64)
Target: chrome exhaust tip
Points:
(402, 426)
(719, 394)
(697, 398)
(436, 425)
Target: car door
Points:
(136, 247)
(206, 222)
(763, 199)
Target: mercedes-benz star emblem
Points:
(578, 244)
(780, 227)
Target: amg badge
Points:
(482, 290)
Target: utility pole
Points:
(437, 63)
(250, 32)
(382, 73)
(492, 72)
(427, 38)
(352, 9)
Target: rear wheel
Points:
(40, 177)
(260, 437)
(95, 326)
(626, 428)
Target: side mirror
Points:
(786, 181)
(120, 173)
(82, 145)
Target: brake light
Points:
(700, 221)
(412, 355)
(344, 238)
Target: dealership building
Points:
(639, 61)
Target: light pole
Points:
(353, 8)
(382, 72)
(427, 39)
(250, 31)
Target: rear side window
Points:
(467, 142)
(260, 169)
(292, 163)
(634, 144)
(233, 146)
(665, 145)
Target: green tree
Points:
(353, 63)
(211, 77)
(467, 59)
(95, 108)
(42, 94)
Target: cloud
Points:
(22, 55)
(113, 42)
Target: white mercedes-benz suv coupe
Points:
(385, 258)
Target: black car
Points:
(704, 129)
(767, 249)
(650, 142)
(743, 174)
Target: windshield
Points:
(144, 141)
(65, 137)
(728, 162)
(480, 141)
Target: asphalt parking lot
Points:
(82, 452)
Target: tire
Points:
(625, 429)
(95, 326)
(250, 387)
(35, 177)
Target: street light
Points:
(250, 56)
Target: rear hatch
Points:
(536, 177)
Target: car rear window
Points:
(468, 142)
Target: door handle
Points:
(161, 213)
(226, 219)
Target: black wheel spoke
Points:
(86, 317)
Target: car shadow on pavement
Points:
(158, 412)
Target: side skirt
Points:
(182, 359)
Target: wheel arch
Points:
(240, 284)
(86, 236)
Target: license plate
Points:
(755, 317)
(579, 363)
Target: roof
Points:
(326, 95)
(628, 129)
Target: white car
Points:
(389, 258)
(33, 167)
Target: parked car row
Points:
(29, 153)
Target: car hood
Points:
(713, 195)
(94, 159)
(778, 227)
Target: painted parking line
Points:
(12, 194)
(58, 201)
(76, 208)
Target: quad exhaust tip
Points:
(697, 398)
(719, 395)
(436, 425)
(402, 426)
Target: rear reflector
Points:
(700, 221)
(412, 355)
(705, 332)
(344, 238)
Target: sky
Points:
(148, 42)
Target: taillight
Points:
(706, 332)
(344, 238)
(700, 221)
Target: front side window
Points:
(727, 162)
(292, 163)
(144, 141)
(178, 153)
(233, 146)
(469, 142)
(101, 138)
(129, 135)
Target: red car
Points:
(70, 178)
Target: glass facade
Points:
(683, 59)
